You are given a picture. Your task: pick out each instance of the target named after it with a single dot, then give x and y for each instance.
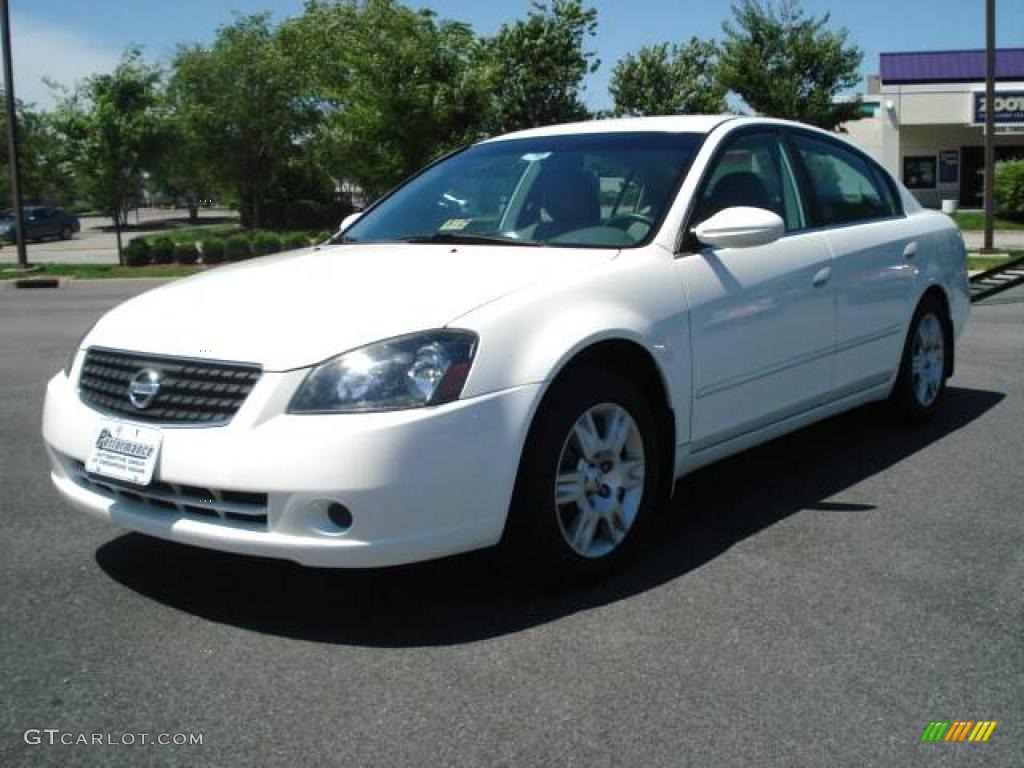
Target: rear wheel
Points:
(65, 234)
(588, 478)
(922, 379)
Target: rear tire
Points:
(921, 383)
(66, 233)
(588, 479)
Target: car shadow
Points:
(468, 598)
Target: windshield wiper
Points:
(467, 239)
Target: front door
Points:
(972, 177)
(763, 318)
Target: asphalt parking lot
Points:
(814, 602)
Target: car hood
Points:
(296, 309)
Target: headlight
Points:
(406, 372)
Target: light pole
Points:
(12, 137)
(990, 123)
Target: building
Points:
(925, 115)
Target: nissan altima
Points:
(526, 344)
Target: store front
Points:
(925, 117)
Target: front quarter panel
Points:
(528, 337)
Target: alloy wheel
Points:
(600, 481)
(927, 359)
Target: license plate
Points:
(124, 452)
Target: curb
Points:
(67, 282)
(37, 282)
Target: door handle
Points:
(821, 277)
(911, 250)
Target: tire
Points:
(66, 233)
(921, 382)
(609, 494)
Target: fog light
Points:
(339, 515)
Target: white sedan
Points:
(525, 344)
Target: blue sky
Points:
(69, 39)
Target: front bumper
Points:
(420, 483)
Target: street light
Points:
(12, 137)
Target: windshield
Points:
(607, 190)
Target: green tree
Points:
(785, 63)
(237, 107)
(112, 127)
(184, 169)
(663, 80)
(1010, 188)
(45, 174)
(394, 87)
(535, 66)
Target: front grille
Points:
(191, 391)
(244, 507)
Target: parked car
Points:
(41, 221)
(526, 344)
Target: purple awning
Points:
(949, 66)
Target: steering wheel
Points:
(624, 220)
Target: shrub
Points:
(137, 252)
(266, 242)
(294, 241)
(213, 251)
(163, 251)
(1010, 188)
(237, 247)
(186, 253)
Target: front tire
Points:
(588, 479)
(921, 383)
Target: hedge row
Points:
(143, 251)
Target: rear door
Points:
(762, 318)
(873, 249)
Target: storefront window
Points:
(919, 172)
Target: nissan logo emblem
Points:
(143, 388)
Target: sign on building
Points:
(1009, 107)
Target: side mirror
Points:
(349, 220)
(741, 227)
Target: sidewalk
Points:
(1004, 238)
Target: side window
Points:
(845, 187)
(752, 171)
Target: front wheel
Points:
(922, 379)
(588, 478)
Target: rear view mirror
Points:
(741, 227)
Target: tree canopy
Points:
(237, 106)
(786, 63)
(669, 80)
(278, 118)
(45, 174)
(112, 128)
(534, 67)
(393, 87)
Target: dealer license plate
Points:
(124, 452)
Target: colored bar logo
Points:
(958, 730)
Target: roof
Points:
(665, 124)
(949, 66)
